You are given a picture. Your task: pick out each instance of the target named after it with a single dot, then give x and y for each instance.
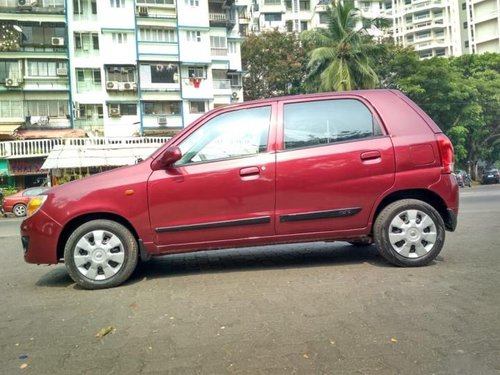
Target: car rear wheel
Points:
(19, 210)
(409, 232)
(100, 254)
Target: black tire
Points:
(19, 210)
(421, 238)
(361, 243)
(106, 257)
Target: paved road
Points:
(298, 309)
(9, 226)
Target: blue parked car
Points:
(490, 176)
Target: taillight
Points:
(446, 151)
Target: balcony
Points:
(222, 84)
(33, 7)
(423, 6)
(425, 25)
(486, 16)
(430, 44)
(90, 125)
(43, 147)
(218, 51)
(221, 19)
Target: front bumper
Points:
(39, 236)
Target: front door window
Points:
(229, 135)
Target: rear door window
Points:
(324, 122)
(32, 192)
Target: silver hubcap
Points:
(20, 210)
(99, 255)
(412, 233)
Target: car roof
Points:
(358, 93)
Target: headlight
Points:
(35, 204)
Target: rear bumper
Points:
(447, 189)
(452, 222)
(39, 236)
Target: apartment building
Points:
(116, 67)
(144, 65)
(482, 26)
(445, 27)
(433, 27)
(112, 68)
(34, 85)
(301, 15)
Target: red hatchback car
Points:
(362, 167)
(16, 203)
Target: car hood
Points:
(103, 192)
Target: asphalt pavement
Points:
(321, 308)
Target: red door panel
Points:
(331, 187)
(216, 201)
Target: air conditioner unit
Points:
(162, 120)
(141, 10)
(26, 3)
(62, 71)
(129, 86)
(11, 82)
(111, 85)
(56, 41)
(114, 112)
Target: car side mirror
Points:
(170, 156)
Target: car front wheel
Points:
(409, 232)
(100, 254)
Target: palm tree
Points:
(340, 58)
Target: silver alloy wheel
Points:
(19, 210)
(99, 255)
(412, 234)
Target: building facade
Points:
(483, 26)
(433, 28)
(300, 15)
(34, 85)
(118, 67)
(445, 27)
(114, 68)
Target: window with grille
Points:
(42, 68)
(119, 38)
(166, 107)
(157, 35)
(193, 36)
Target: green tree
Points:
(460, 94)
(481, 128)
(340, 54)
(9, 37)
(394, 63)
(275, 64)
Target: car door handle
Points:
(370, 155)
(249, 171)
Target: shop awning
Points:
(7, 130)
(50, 133)
(70, 156)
